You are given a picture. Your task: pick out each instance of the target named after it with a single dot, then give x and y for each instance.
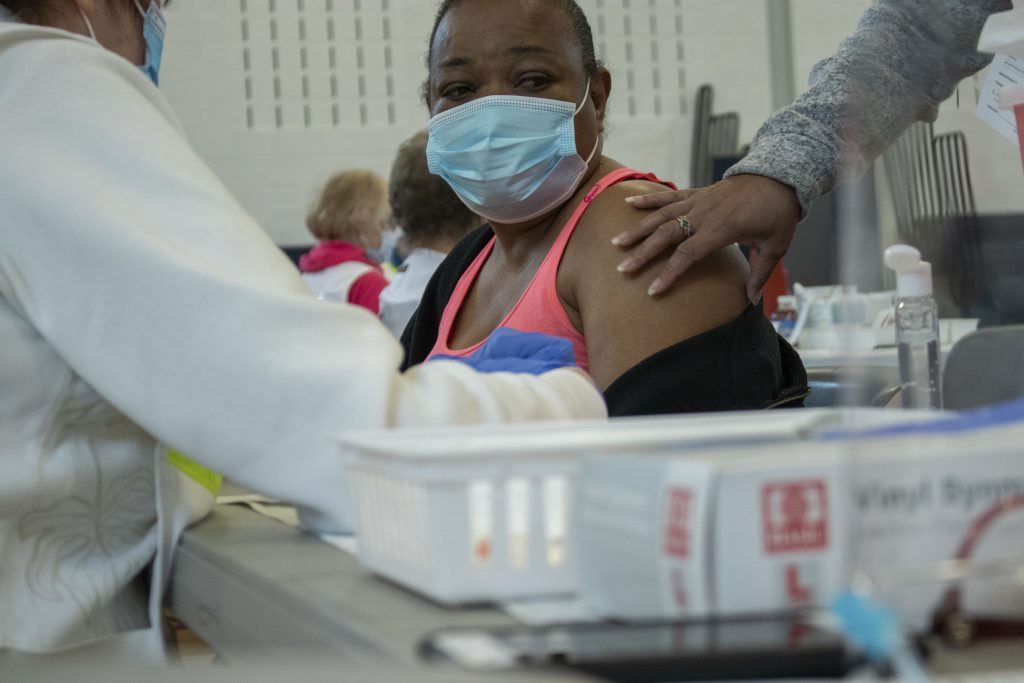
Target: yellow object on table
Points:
(203, 476)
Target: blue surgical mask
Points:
(509, 158)
(154, 27)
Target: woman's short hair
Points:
(423, 204)
(349, 205)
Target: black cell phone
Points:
(719, 649)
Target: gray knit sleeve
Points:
(906, 57)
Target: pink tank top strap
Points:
(539, 309)
(613, 178)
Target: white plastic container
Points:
(780, 530)
(644, 522)
(469, 515)
(788, 525)
(723, 532)
(939, 512)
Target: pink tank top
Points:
(539, 309)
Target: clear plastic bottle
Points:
(785, 316)
(917, 329)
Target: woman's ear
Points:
(600, 91)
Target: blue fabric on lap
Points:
(508, 350)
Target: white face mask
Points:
(509, 158)
(388, 242)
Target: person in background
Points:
(349, 217)
(905, 59)
(432, 219)
(518, 101)
(142, 305)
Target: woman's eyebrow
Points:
(456, 62)
(521, 50)
(514, 51)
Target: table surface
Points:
(258, 590)
(255, 588)
(883, 357)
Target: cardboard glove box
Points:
(721, 532)
(764, 529)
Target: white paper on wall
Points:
(1004, 32)
(1006, 72)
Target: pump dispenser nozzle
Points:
(913, 276)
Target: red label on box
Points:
(797, 592)
(795, 516)
(679, 594)
(677, 522)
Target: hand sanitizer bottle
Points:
(917, 329)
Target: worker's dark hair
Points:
(41, 11)
(29, 11)
(581, 30)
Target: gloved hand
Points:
(508, 350)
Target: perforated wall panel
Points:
(278, 94)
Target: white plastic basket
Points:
(481, 514)
(477, 530)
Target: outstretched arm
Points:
(163, 294)
(905, 59)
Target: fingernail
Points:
(617, 240)
(758, 297)
(627, 266)
(655, 288)
(630, 200)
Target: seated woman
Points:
(433, 220)
(350, 218)
(518, 104)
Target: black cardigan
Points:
(742, 365)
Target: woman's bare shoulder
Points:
(622, 323)
(609, 214)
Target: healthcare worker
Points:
(906, 58)
(140, 304)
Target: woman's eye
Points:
(533, 82)
(455, 91)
